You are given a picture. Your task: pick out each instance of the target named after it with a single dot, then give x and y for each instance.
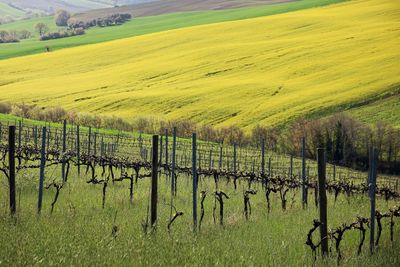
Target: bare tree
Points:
(62, 17)
(41, 28)
(24, 34)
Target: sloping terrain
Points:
(92, 9)
(385, 110)
(50, 6)
(143, 25)
(17, 9)
(7, 10)
(266, 70)
(171, 6)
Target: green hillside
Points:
(386, 110)
(29, 24)
(6, 10)
(146, 25)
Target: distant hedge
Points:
(62, 34)
(8, 37)
(114, 19)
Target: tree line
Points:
(110, 20)
(347, 141)
(67, 27)
(14, 36)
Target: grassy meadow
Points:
(388, 111)
(266, 70)
(6, 10)
(29, 24)
(142, 25)
(80, 231)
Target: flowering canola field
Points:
(267, 70)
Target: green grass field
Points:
(90, 4)
(80, 232)
(143, 25)
(29, 24)
(6, 10)
(386, 110)
(30, 7)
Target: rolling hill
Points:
(17, 9)
(267, 70)
(23, 8)
(153, 8)
(7, 10)
(143, 25)
(92, 9)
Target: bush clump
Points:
(114, 19)
(8, 37)
(62, 34)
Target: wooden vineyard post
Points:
(194, 174)
(234, 158)
(220, 158)
(291, 167)
(269, 169)
(210, 160)
(64, 149)
(146, 153)
(322, 201)
(89, 140)
(102, 148)
(48, 138)
(373, 158)
(57, 145)
(19, 134)
(140, 145)
(78, 149)
(161, 149)
(26, 136)
(263, 163)
(370, 156)
(42, 165)
(199, 159)
(154, 182)
(70, 132)
(166, 149)
(11, 166)
(35, 136)
(116, 145)
(95, 144)
(303, 173)
(173, 178)
(334, 172)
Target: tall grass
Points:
(79, 232)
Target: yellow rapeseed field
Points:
(265, 70)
